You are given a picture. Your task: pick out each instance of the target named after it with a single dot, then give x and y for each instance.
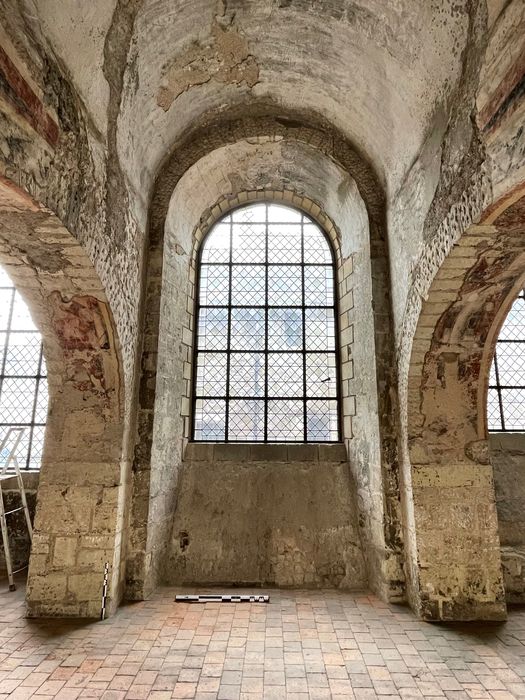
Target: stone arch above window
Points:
(266, 366)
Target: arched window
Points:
(266, 366)
(23, 382)
(506, 397)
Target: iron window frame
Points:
(195, 335)
(498, 387)
(39, 377)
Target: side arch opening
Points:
(79, 507)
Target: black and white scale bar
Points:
(222, 598)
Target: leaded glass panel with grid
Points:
(265, 366)
(23, 377)
(506, 395)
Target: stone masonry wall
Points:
(266, 515)
(507, 452)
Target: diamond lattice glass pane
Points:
(493, 412)
(511, 364)
(211, 374)
(247, 374)
(316, 248)
(6, 296)
(285, 329)
(248, 329)
(42, 400)
(284, 243)
(213, 329)
(319, 286)
(322, 421)
(5, 280)
(216, 248)
(285, 286)
(214, 285)
(285, 374)
(23, 354)
(37, 447)
(20, 453)
(319, 329)
(246, 420)
(283, 214)
(285, 421)
(513, 408)
(514, 326)
(249, 243)
(255, 213)
(321, 378)
(210, 419)
(248, 285)
(21, 318)
(16, 401)
(254, 279)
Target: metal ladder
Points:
(4, 475)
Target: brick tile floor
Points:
(304, 644)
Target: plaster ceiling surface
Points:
(378, 71)
(76, 32)
(382, 73)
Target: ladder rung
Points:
(22, 568)
(15, 510)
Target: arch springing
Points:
(266, 365)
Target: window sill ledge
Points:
(264, 452)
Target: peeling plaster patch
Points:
(80, 324)
(225, 58)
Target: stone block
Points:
(268, 453)
(39, 565)
(332, 452)
(51, 587)
(93, 559)
(86, 586)
(303, 453)
(231, 452)
(64, 552)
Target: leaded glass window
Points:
(23, 377)
(266, 361)
(506, 396)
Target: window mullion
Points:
(266, 348)
(228, 336)
(33, 410)
(6, 342)
(498, 389)
(303, 312)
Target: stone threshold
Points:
(261, 452)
